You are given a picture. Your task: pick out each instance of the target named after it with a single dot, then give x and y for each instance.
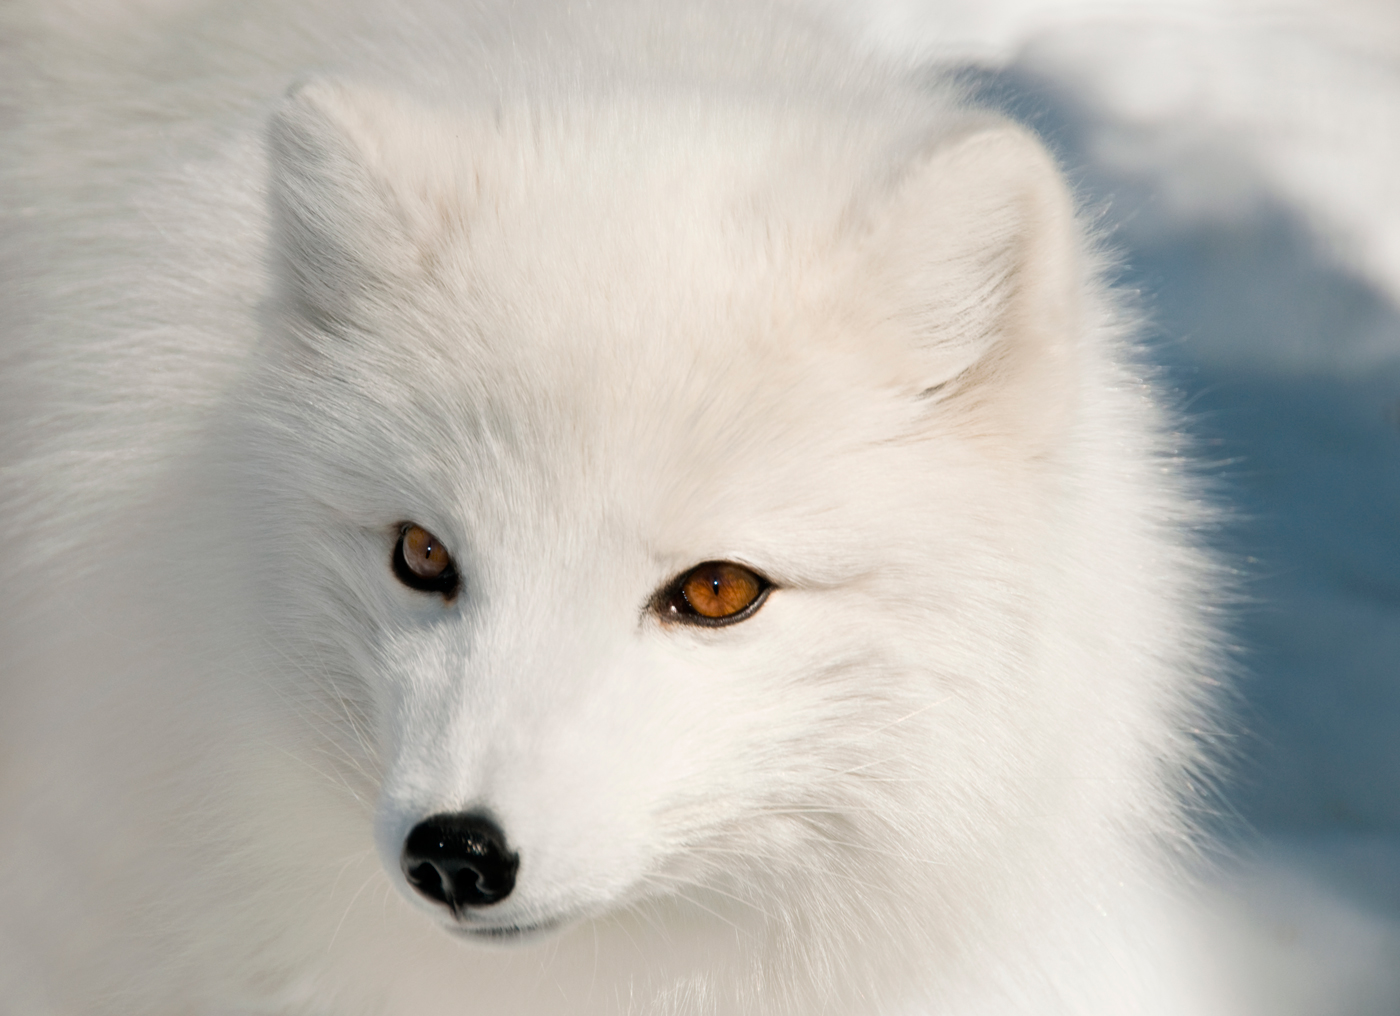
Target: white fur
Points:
(594, 296)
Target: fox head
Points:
(735, 512)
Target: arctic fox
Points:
(628, 510)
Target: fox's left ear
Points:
(359, 201)
(977, 261)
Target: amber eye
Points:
(422, 562)
(714, 593)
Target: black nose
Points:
(460, 860)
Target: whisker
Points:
(348, 907)
(677, 880)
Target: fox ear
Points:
(977, 256)
(357, 209)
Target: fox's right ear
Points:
(357, 207)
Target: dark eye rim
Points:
(447, 584)
(671, 605)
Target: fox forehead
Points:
(616, 316)
(598, 305)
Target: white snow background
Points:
(1244, 158)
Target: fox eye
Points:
(422, 562)
(714, 593)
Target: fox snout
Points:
(460, 860)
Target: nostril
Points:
(425, 878)
(459, 859)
